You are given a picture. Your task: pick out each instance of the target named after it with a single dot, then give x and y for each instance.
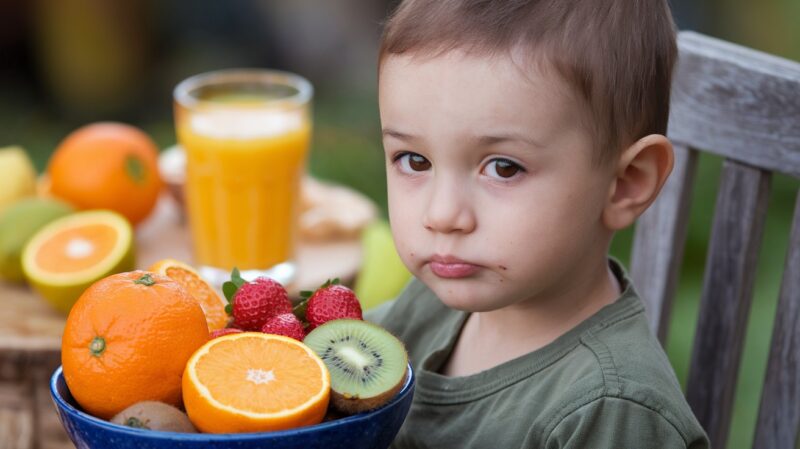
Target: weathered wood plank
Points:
(15, 364)
(49, 432)
(737, 102)
(779, 414)
(727, 293)
(28, 419)
(659, 241)
(16, 416)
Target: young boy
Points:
(519, 136)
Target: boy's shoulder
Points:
(620, 380)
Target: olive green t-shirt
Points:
(604, 384)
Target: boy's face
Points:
(493, 196)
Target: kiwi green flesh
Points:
(367, 363)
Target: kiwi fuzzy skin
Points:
(154, 415)
(350, 405)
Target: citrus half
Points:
(255, 382)
(211, 303)
(69, 254)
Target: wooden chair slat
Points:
(779, 414)
(727, 293)
(659, 242)
(737, 102)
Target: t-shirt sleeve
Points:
(378, 314)
(619, 424)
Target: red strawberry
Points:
(332, 302)
(285, 324)
(225, 331)
(255, 302)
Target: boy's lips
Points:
(452, 267)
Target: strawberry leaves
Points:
(331, 301)
(229, 289)
(299, 311)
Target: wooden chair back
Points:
(742, 105)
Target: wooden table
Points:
(30, 330)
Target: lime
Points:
(17, 176)
(18, 223)
(69, 254)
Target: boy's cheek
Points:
(400, 227)
(407, 253)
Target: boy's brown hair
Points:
(617, 55)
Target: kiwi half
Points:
(366, 362)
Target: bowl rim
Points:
(62, 403)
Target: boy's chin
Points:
(464, 298)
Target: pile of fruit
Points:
(141, 347)
(74, 225)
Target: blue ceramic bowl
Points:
(373, 429)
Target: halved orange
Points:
(212, 304)
(255, 382)
(69, 254)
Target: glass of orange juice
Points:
(246, 135)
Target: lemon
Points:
(18, 223)
(69, 254)
(17, 176)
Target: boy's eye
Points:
(502, 168)
(413, 162)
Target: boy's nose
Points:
(449, 209)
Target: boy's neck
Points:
(491, 338)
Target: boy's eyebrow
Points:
(397, 134)
(509, 137)
(480, 140)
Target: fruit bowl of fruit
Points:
(149, 361)
(372, 429)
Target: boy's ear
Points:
(641, 171)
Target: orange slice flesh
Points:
(255, 382)
(211, 303)
(76, 249)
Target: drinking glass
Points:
(246, 135)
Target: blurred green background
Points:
(64, 63)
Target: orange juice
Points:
(245, 160)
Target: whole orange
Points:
(127, 339)
(107, 165)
